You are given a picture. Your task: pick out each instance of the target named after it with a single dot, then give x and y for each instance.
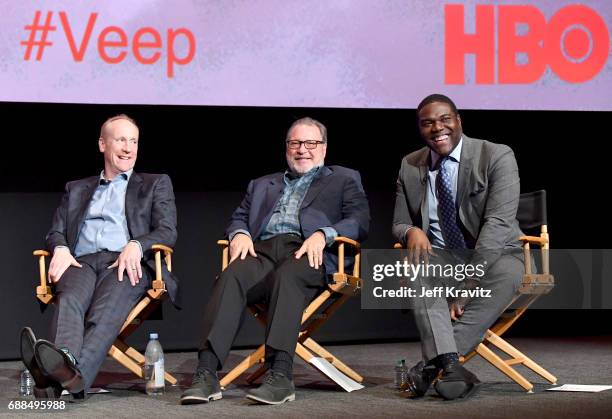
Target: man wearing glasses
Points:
(279, 241)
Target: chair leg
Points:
(322, 352)
(501, 365)
(126, 361)
(250, 360)
(523, 359)
(133, 360)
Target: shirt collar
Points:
(454, 155)
(290, 175)
(122, 175)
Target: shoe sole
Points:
(199, 400)
(289, 398)
(27, 342)
(454, 390)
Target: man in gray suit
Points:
(100, 238)
(458, 193)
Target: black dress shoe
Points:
(456, 382)
(420, 378)
(44, 387)
(58, 366)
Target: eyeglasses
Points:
(309, 144)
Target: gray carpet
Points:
(573, 360)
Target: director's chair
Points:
(342, 287)
(120, 351)
(531, 215)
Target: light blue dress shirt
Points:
(105, 224)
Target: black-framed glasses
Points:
(309, 144)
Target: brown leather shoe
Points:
(58, 366)
(44, 387)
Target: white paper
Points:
(93, 390)
(580, 387)
(332, 372)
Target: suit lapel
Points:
(273, 192)
(465, 169)
(423, 164)
(317, 185)
(131, 200)
(78, 215)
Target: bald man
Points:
(100, 239)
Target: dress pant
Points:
(91, 305)
(440, 335)
(275, 277)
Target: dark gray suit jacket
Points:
(488, 189)
(335, 199)
(149, 209)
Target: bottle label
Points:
(159, 373)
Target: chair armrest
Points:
(534, 240)
(225, 253)
(44, 291)
(346, 240)
(158, 287)
(342, 241)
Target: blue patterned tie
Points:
(446, 209)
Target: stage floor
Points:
(584, 360)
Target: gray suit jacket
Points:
(149, 209)
(488, 190)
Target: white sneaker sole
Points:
(199, 400)
(289, 398)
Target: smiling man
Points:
(101, 265)
(458, 193)
(280, 238)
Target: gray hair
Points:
(312, 122)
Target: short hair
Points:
(312, 122)
(437, 97)
(115, 118)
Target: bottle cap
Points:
(153, 336)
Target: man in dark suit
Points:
(458, 193)
(101, 265)
(280, 238)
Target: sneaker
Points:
(204, 388)
(276, 389)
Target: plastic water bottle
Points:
(401, 374)
(26, 383)
(154, 366)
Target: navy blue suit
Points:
(335, 199)
(275, 277)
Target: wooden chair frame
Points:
(120, 351)
(342, 287)
(532, 287)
